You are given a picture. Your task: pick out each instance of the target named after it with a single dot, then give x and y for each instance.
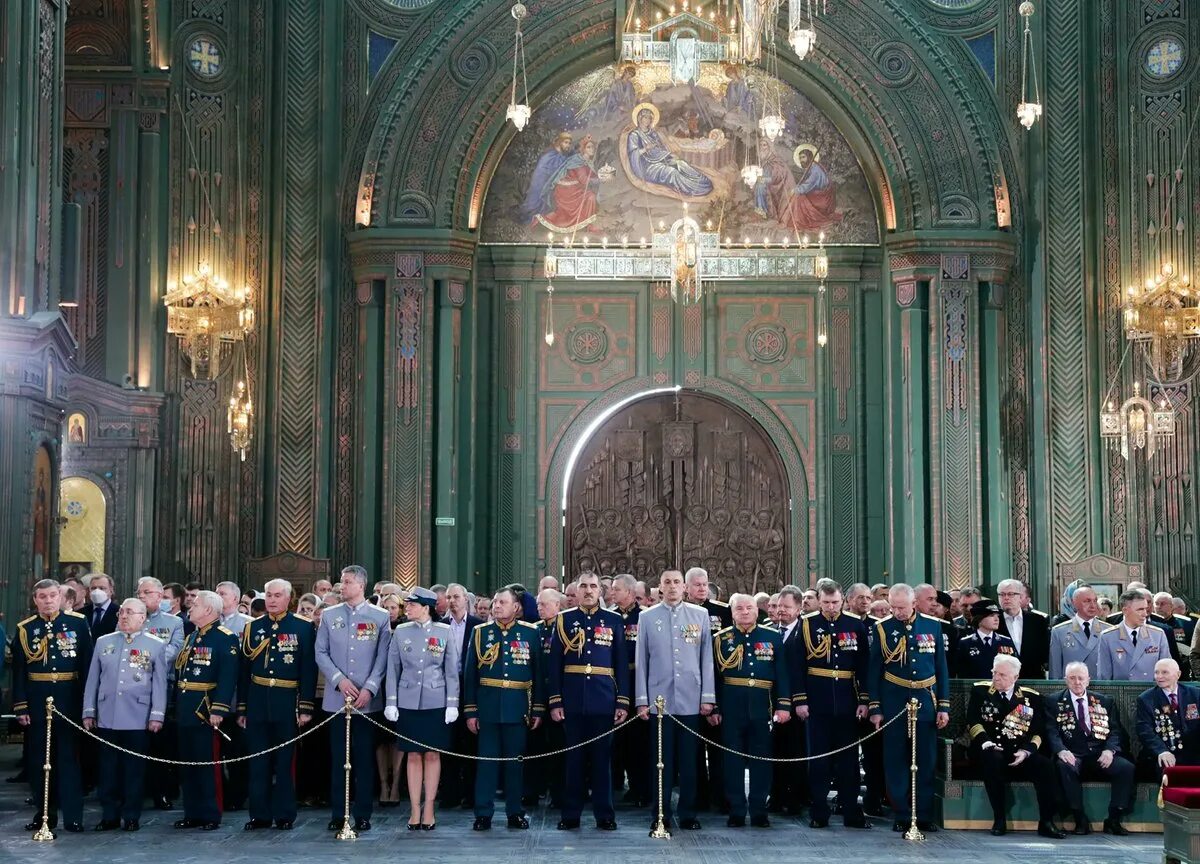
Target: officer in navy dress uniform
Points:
(206, 671)
(52, 651)
(545, 775)
(1168, 720)
(752, 692)
(710, 761)
(125, 701)
(352, 651)
(275, 700)
(830, 692)
(631, 756)
(1006, 723)
(163, 780)
(422, 698)
(503, 698)
(908, 661)
(977, 651)
(589, 692)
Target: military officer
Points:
(352, 649)
(125, 699)
(1078, 638)
(908, 661)
(1129, 650)
(1006, 723)
(710, 760)
(503, 698)
(830, 692)
(752, 691)
(163, 780)
(422, 697)
(275, 700)
(206, 670)
(589, 692)
(675, 660)
(977, 651)
(545, 775)
(631, 754)
(159, 620)
(1168, 720)
(1084, 735)
(51, 653)
(237, 774)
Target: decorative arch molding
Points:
(798, 472)
(924, 145)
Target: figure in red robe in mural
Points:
(570, 201)
(813, 205)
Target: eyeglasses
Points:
(1010, 593)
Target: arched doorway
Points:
(84, 514)
(679, 480)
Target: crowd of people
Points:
(432, 678)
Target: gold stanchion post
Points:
(913, 832)
(660, 831)
(347, 832)
(44, 834)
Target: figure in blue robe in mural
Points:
(654, 164)
(622, 94)
(738, 96)
(539, 195)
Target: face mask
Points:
(164, 606)
(99, 598)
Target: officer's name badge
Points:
(847, 642)
(436, 646)
(690, 633)
(365, 631)
(602, 636)
(926, 643)
(764, 651)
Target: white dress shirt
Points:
(1016, 629)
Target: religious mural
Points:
(618, 152)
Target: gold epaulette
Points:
(1025, 689)
(930, 617)
(221, 628)
(1063, 623)
(722, 630)
(74, 614)
(27, 620)
(303, 618)
(809, 615)
(851, 615)
(719, 603)
(770, 627)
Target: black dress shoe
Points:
(255, 824)
(760, 822)
(856, 823)
(482, 824)
(208, 825)
(107, 825)
(1112, 825)
(1083, 825)
(818, 823)
(607, 824)
(334, 825)
(689, 824)
(927, 827)
(162, 802)
(735, 822)
(518, 822)
(568, 824)
(186, 823)
(73, 827)
(131, 825)
(999, 829)
(361, 825)
(1049, 829)
(284, 824)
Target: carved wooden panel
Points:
(680, 480)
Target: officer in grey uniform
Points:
(125, 699)
(352, 651)
(163, 780)
(1129, 650)
(674, 659)
(1076, 639)
(159, 620)
(237, 774)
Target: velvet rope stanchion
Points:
(913, 832)
(347, 832)
(44, 834)
(660, 831)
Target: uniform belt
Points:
(923, 684)
(274, 682)
(53, 676)
(505, 684)
(839, 674)
(203, 686)
(589, 669)
(762, 683)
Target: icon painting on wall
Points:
(615, 153)
(77, 429)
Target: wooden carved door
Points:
(680, 480)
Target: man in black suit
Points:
(1083, 733)
(1029, 629)
(458, 775)
(100, 610)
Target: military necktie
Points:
(1081, 714)
(1174, 703)
(1087, 629)
(1134, 638)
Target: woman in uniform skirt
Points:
(422, 699)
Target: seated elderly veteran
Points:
(1168, 719)
(977, 651)
(124, 700)
(752, 691)
(1083, 734)
(1006, 723)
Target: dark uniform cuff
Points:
(304, 707)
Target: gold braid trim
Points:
(899, 654)
(570, 643)
(38, 656)
(252, 654)
(733, 661)
(185, 653)
(823, 646)
(489, 656)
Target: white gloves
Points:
(451, 715)
(392, 713)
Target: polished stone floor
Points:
(453, 842)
